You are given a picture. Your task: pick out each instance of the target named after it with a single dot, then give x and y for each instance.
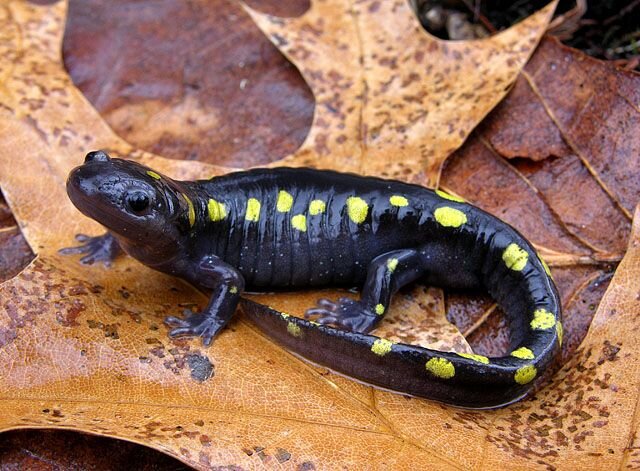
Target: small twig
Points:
(633, 47)
(477, 15)
(480, 321)
(8, 228)
(630, 63)
(568, 23)
(561, 259)
(622, 12)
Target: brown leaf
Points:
(193, 104)
(475, 164)
(394, 101)
(571, 172)
(84, 348)
(597, 120)
(15, 254)
(559, 201)
(40, 450)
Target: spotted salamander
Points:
(288, 228)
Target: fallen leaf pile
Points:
(85, 348)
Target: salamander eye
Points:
(138, 201)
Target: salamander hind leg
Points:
(103, 248)
(346, 313)
(386, 274)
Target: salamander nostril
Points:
(97, 156)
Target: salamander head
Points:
(139, 206)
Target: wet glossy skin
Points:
(294, 228)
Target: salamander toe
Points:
(346, 313)
(195, 325)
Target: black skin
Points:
(390, 235)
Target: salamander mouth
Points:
(85, 192)
(79, 198)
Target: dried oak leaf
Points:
(190, 80)
(556, 194)
(392, 100)
(85, 348)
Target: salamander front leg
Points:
(103, 248)
(386, 274)
(227, 284)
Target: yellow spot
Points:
(253, 210)
(397, 200)
(284, 315)
(153, 174)
(314, 323)
(233, 290)
(379, 309)
(560, 331)
(294, 329)
(515, 257)
(450, 217)
(192, 210)
(357, 208)
(449, 197)
(523, 353)
(441, 367)
(299, 222)
(285, 201)
(475, 357)
(381, 347)
(316, 207)
(392, 264)
(543, 320)
(217, 210)
(525, 374)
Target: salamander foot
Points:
(195, 324)
(346, 313)
(104, 248)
